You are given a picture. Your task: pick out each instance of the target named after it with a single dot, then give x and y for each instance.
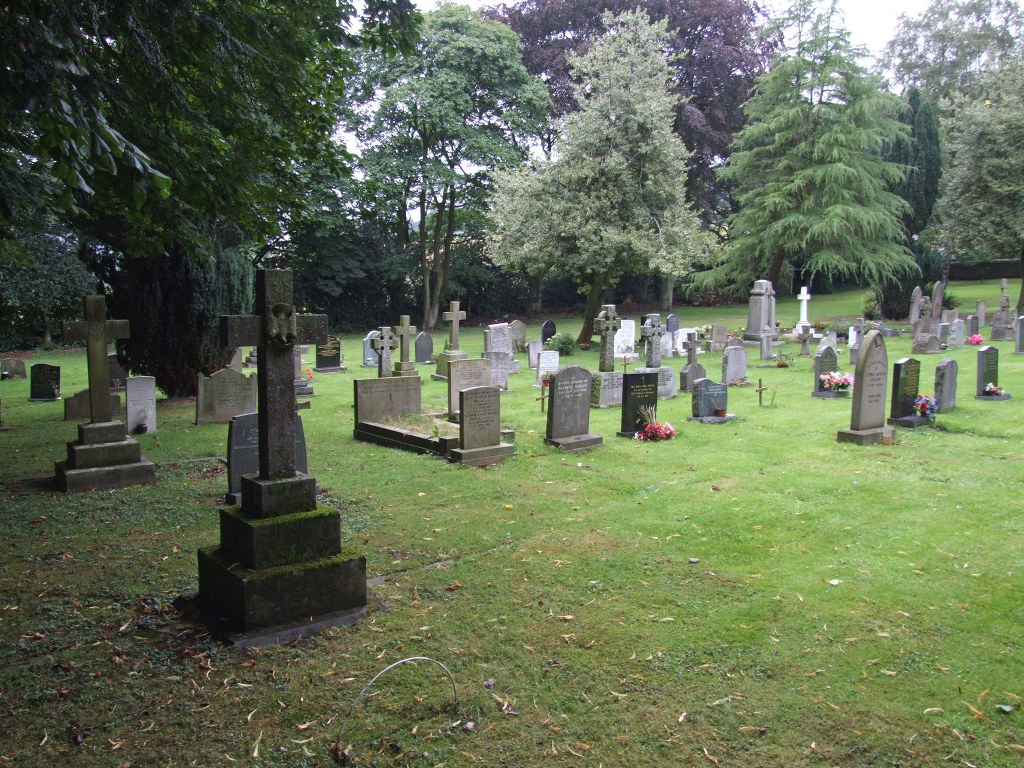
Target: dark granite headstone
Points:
(424, 348)
(44, 383)
(118, 375)
(906, 386)
(639, 391)
(568, 424)
(672, 322)
(244, 454)
(945, 385)
(328, 356)
(547, 330)
(988, 373)
(709, 398)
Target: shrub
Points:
(563, 342)
(870, 307)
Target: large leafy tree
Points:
(812, 186)
(945, 49)
(440, 121)
(715, 53)
(613, 198)
(982, 208)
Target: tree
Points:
(946, 48)
(812, 187)
(461, 106)
(982, 209)
(613, 198)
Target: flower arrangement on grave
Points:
(309, 375)
(652, 430)
(924, 405)
(836, 381)
(976, 339)
(992, 389)
(783, 360)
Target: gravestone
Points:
(606, 390)
(639, 392)
(118, 375)
(981, 313)
(973, 325)
(867, 414)
(501, 352)
(103, 456)
(280, 563)
(988, 373)
(1018, 326)
(607, 324)
(140, 405)
(719, 337)
(569, 397)
(651, 333)
(805, 341)
(236, 360)
(465, 374)
(854, 354)
(825, 361)
(224, 395)
(424, 348)
(328, 356)
(938, 297)
(377, 400)
(671, 333)
(76, 407)
(767, 353)
(683, 341)
(244, 451)
(625, 341)
(828, 340)
(480, 428)
(501, 367)
(804, 297)
(45, 383)
(303, 382)
(453, 317)
(943, 333)
(760, 311)
(957, 333)
(517, 329)
(251, 359)
(547, 330)
(370, 357)
(533, 350)
(405, 333)
(385, 345)
(13, 368)
(692, 370)
(547, 363)
(906, 386)
(915, 304)
(709, 402)
(1002, 326)
(925, 344)
(945, 385)
(950, 316)
(734, 366)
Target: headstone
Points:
(385, 345)
(957, 333)
(607, 324)
(625, 341)
(606, 390)
(828, 340)
(279, 562)
(533, 350)
(981, 313)
(925, 344)
(734, 366)
(244, 451)
(140, 404)
(943, 333)
(547, 330)
(761, 311)
(118, 375)
(480, 428)
(328, 356)
(652, 333)
(906, 386)
(377, 400)
(851, 334)
(639, 392)
(682, 341)
(303, 381)
(501, 367)
(501, 352)
(950, 316)
(867, 414)
(718, 338)
(945, 385)
(938, 297)
(915, 304)
(805, 341)
(13, 368)
(76, 407)
(709, 402)
(224, 395)
(465, 374)
(988, 374)
(1002, 326)
(569, 395)
(453, 317)
(370, 357)
(236, 360)
(854, 354)
(251, 359)
(517, 329)
(825, 361)
(667, 388)
(1018, 326)
(103, 456)
(547, 363)
(973, 325)
(45, 383)
(424, 348)
(766, 348)
(1004, 296)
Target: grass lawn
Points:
(751, 594)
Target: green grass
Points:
(851, 606)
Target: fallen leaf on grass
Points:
(453, 587)
(509, 506)
(567, 617)
(978, 714)
(709, 756)
(934, 711)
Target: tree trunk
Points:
(444, 234)
(598, 285)
(777, 261)
(424, 257)
(536, 287)
(668, 284)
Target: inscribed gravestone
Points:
(734, 366)
(825, 361)
(973, 326)
(915, 304)
(244, 454)
(224, 395)
(517, 329)
(709, 401)
(981, 312)
(370, 356)
(906, 386)
(76, 407)
(957, 333)
(925, 344)
(568, 422)
(424, 348)
(867, 414)
(639, 393)
(118, 375)
(140, 404)
(465, 374)
(13, 368)
(760, 311)
(533, 350)
(547, 330)
(390, 398)
(480, 428)
(606, 391)
(625, 340)
(328, 356)
(945, 385)
(44, 383)
(988, 373)
(1018, 330)
(718, 338)
(547, 363)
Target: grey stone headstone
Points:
(533, 349)
(915, 305)
(906, 386)
(981, 313)
(652, 332)
(957, 333)
(140, 404)
(236, 360)
(625, 341)
(224, 395)
(1018, 330)
(13, 367)
(547, 362)
(988, 368)
(500, 338)
(302, 384)
(950, 316)
(718, 338)
(734, 365)
(424, 348)
(607, 324)
(517, 328)
(44, 383)
(766, 348)
(547, 330)
(828, 340)
(825, 361)
(370, 356)
(943, 333)
(938, 297)
(328, 356)
(76, 407)
(945, 385)
(479, 418)
(760, 311)
(393, 397)
(689, 375)
(973, 325)
(385, 345)
(854, 353)
(925, 344)
(606, 390)
(639, 391)
(870, 381)
(466, 374)
(502, 364)
(672, 322)
(244, 454)
(709, 399)
(568, 422)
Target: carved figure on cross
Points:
(96, 331)
(453, 316)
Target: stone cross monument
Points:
(384, 345)
(405, 366)
(607, 323)
(652, 332)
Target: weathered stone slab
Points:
(391, 398)
(140, 405)
(465, 374)
(224, 395)
(945, 385)
(76, 407)
(606, 390)
(867, 417)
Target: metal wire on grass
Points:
(455, 694)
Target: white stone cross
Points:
(804, 297)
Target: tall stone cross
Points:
(1004, 297)
(453, 316)
(652, 332)
(274, 331)
(692, 340)
(385, 344)
(96, 331)
(804, 298)
(607, 323)
(405, 333)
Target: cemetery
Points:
(801, 560)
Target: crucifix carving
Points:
(453, 316)
(96, 331)
(274, 332)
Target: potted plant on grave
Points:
(837, 381)
(652, 431)
(924, 405)
(783, 360)
(992, 389)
